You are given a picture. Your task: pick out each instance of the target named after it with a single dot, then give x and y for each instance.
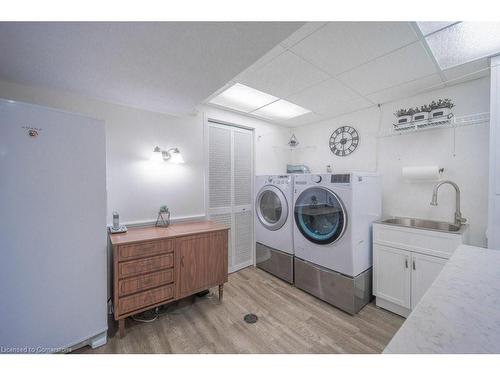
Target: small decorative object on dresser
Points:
(154, 266)
(163, 219)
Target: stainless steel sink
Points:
(423, 224)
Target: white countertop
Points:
(460, 313)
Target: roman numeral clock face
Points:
(344, 141)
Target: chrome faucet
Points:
(459, 220)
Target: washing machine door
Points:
(271, 207)
(320, 215)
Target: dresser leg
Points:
(221, 291)
(121, 327)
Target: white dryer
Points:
(333, 215)
(274, 225)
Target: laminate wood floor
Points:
(290, 321)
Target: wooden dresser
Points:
(153, 266)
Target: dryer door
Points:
(320, 215)
(271, 207)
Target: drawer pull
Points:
(406, 262)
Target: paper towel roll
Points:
(423, 173)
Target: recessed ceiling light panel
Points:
(242, 98)
(465, 42)
(281, 110)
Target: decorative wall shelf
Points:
(443, 122)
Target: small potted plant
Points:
(421, 113)
(404, 117)
(441, 108)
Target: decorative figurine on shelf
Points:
(163, 219)
(293, 141)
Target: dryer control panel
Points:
(279, 180)
(340, 178)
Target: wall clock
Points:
(344, 141)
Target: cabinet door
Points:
(201, 262)
(425, 269)
(391, 274)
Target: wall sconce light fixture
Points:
(172, 155)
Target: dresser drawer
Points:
(146, 265)
(148, 281)
(126, 252)
(145, 299)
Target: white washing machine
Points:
(333, 215)
(274, 225)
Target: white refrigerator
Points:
(53, 293)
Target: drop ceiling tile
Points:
(340, 46)
(465, 69)
(428, 27)
(272, 54)
(469, 77)
(464, 42)
(302, 33)
(342, 108)
(407, 89)
(308, 118)
(284, 76)
(404, 65)
(328, 97)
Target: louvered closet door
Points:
(230, 183)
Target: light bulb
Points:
(176, 157)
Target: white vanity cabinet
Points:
(392, 276)
(406, 261)
(424, 270)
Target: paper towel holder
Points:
(423, 173)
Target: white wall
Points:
(494, 173)
(463, 152)
(136, 186)
(314, 151)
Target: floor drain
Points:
(250, 318)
